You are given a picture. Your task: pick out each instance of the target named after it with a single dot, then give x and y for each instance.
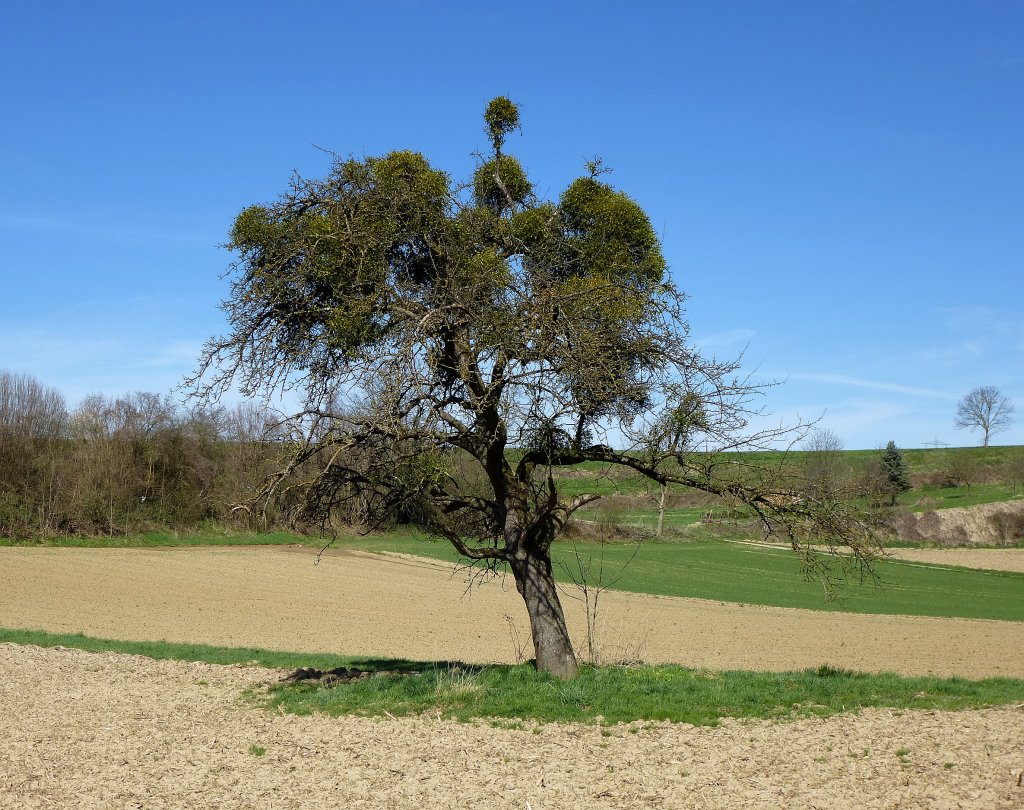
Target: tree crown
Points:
(455, 342)
(433, 324)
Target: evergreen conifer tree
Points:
(895, 470)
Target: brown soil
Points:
(994, 559)
(362, 604)
(103, 731)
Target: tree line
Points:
(118, 466)
(124, 465)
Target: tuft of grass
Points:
(456, 682)
(257, 750)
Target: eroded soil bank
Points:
(103, 730)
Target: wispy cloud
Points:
(961, 351)
(27, 351)
(965, 317)
(120, 346)
(863, 417)
(981, 320)
(875, 385)
(729, 339)
(860, 423)
(82, 227)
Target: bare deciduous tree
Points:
(823, 463)
(986, 409)
(120, 465)
(30, 409)
(33, 418)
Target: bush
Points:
(1008, 527)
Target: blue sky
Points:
(839, 185)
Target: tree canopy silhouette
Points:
(456, 343)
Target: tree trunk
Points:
(551, 642)
(661, 509)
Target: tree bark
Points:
(551, 641)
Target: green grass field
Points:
(609, 695)
(919, 460)
(166, 650)
(630, 500)
(922, 498)
(749, 574)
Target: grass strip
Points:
(611, 694)
(167, 650)
(511, 695)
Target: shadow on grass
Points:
(252, 656)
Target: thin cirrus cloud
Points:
(45, 352)
(729, 339)
(176, 354)
(856, 420)
(982, 321)
(956, 353)
(875, 385)
(82, 228)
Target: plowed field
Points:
(362, 604)
(104, 730)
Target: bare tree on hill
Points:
(823, 464)
(986, 409)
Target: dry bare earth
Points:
(363, 604)
(994, 559)
(103, 730)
